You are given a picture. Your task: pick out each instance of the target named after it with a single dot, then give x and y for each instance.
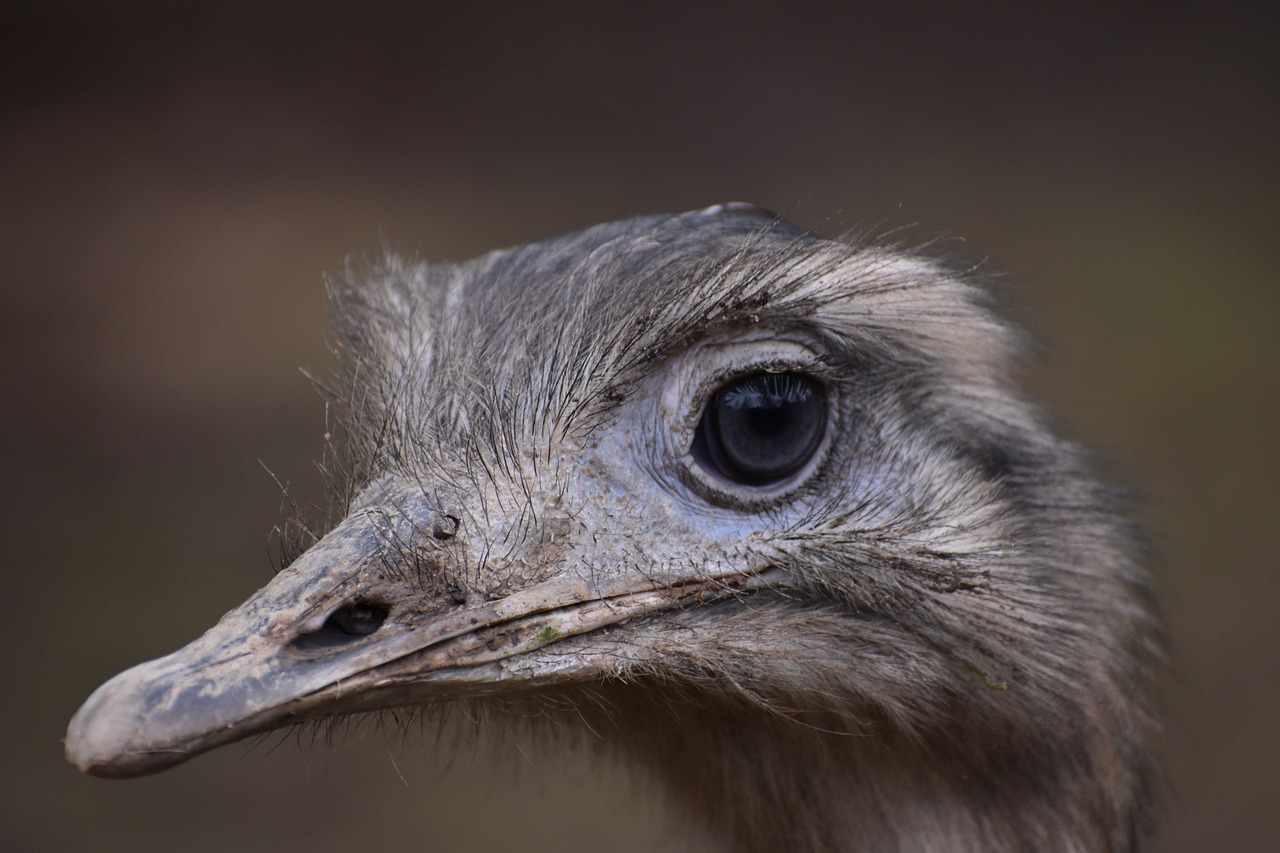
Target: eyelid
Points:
(699, 394)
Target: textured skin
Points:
(932, 638)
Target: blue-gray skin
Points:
(928, 635)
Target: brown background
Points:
(174, 179)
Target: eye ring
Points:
(761, 429)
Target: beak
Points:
(358, 623)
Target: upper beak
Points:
(286, 655)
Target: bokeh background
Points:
(175, 177)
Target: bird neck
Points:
(769, 782)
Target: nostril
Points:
(446, 527)
(359, 619)
(346, 624)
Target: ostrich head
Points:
(765, 502)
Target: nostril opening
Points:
(359, 619)
(446, 527)
(346, 624)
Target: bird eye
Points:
(762, 428)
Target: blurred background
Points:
(175, 178)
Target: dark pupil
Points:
(764, 427)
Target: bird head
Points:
(710, 451)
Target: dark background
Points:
(174, 178)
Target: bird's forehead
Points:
(557, 318)
(600, 283)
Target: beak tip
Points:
(96, 737)
(106, 737)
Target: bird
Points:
(764, 513)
